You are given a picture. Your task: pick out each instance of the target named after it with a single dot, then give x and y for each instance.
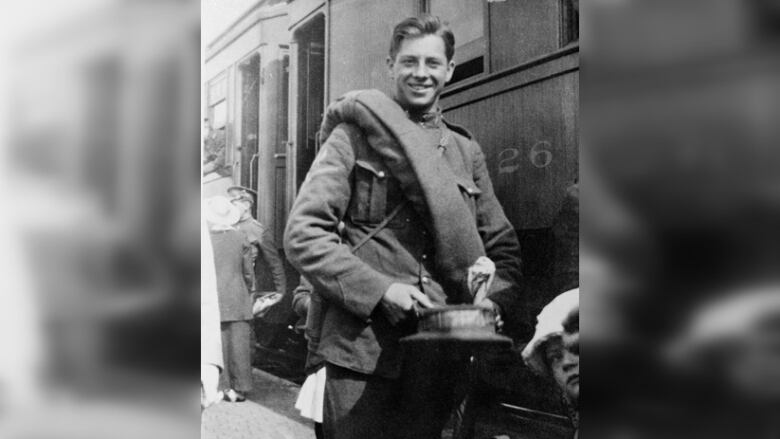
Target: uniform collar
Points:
(429, 119)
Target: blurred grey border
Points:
(680, 244)
(100, 231)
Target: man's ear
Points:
(450, 70)
(390, 63)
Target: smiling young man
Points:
(418, 210)
(420, 65)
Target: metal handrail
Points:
(252, 172)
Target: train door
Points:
(308, 95)
(250, 117)
(280, 152)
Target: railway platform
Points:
(268, 413)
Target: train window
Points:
(217, 93)
(570, 21)
(468, 69)
(310, 80)
(218, 115)
(467, 21)
(217, 89)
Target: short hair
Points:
(424, 24)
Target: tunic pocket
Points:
(369, 199)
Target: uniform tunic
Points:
(263, 252)
(349, 181)
(234, 274)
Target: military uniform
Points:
(233, 270)
(349, 181)
(264, 250)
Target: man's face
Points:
(565, 367)
(244, 207)
(420, 70)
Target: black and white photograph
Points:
(404, 175)
(388, 210)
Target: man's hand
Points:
(489, 304)
(399, 300)
(209, 381)
(262, 304)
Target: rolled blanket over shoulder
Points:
(426, 180)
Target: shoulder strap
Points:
(359, 152)
(459, 129)
(379, 226)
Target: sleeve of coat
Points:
(311, 239)
(247, 266)
(499, 237)
(271, 256)
(253, 253)
(210, 334)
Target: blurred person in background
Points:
(265, 256)
(232, 258)
(211, 359)
(728, 354)
(553, 352)
(238, 191)
(214, 151)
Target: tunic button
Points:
(408, 220)
(424, 257)
(381, 174)
(425, 279)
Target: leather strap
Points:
(379, 226)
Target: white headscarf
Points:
(549, 324)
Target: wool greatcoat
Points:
(349, 181)
(232, 257)
(233, 264)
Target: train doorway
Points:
(310, 96)
(250, 119)
(280, 151)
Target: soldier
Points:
(262, 245)
(418, 209)
(233, 271)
